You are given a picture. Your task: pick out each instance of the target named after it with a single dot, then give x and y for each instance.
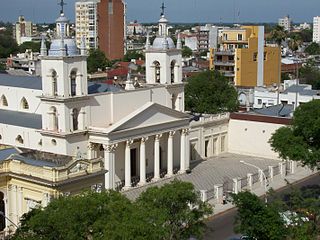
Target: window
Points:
(73, 83)
(110, 7)
(255, 55)
(193, 151)
(54, 83)
(75, 123)
(223, 143)
(4, 101)
(225, 36)
(157, 71)
(19, 139)
(173, 63)
(259, 101)
(53, 115)
(239, 37)
(24, 104)
(265, 56)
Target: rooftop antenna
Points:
(162, 9)
(62, 4)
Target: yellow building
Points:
(244, 58)
(33, 178)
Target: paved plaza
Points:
(216, 170)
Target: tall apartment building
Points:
(111, 21)
(87, 23)
(23, 28)
(244, 58)
(316, 29)
(286, 23)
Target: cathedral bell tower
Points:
(64, 84)
(164, 63)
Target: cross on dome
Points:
(162, 9)
(61, 4)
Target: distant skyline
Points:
(177, 10)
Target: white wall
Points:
(251, 138)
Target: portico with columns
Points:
(144, 147)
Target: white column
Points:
(143, 161)
(183, 151)
(170, 154)
(109, 166)
(19, 203)
(157, 157)
(90, 151)
(127, 167)
(81, 119)
(45, 199)
(13, 203)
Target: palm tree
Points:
(278, 34)
(295, 42)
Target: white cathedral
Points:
(139, 133)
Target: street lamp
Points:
(264, 176)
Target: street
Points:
(221, 227)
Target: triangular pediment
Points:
(151, 114)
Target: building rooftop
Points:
(29, 82)
(275, 111)
(302, 89)
(35, 158)
(21, 119)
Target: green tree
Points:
(34, 46)
(310, 74)
(186, 52)
(300, 141)
(210, 92)
(278, 34)
(295, 42)
(256, 219)
(133, 54)
(178, 209)
(173, 211)
(7, 45)
(97, 60)
(313, 49)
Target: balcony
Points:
(227, 64)
(224, 52)
(228, 73)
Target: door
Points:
(133, 156)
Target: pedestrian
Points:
(224, 199)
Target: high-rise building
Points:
(111, 15)
(23, 29)
(87, 22)
(316, 29)
(244, 58)
(286, 23)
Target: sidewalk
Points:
(277, 183)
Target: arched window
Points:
(4, 101)
(157, 71)
(24, 103)
(53, 118)
(19, 139)
(173, 64)
(73, 83)
(54, 83)
(75, 122)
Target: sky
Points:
(197, 11)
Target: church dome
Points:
(70, 46)
(158, 43)
(62, 19)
